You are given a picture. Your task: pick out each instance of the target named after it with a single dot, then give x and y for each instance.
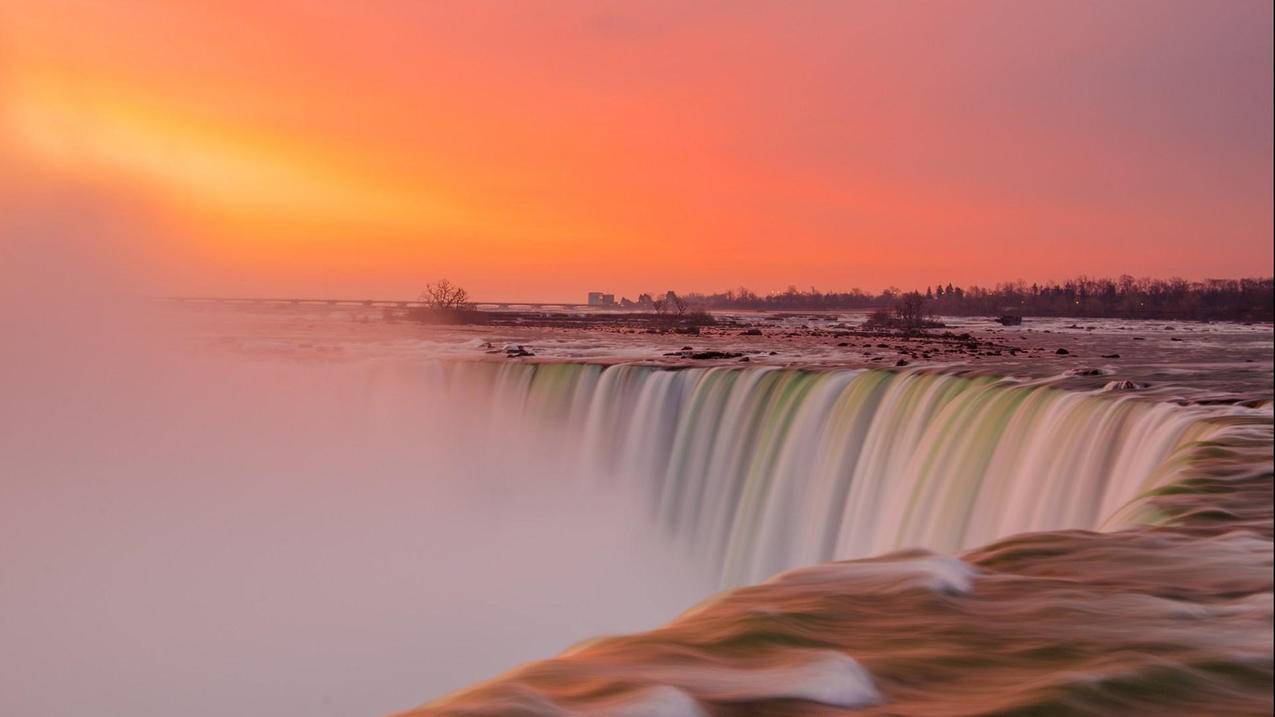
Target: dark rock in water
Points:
(517, 351)
(1111, 355)
(1010, 320)
(1062, 352)
(1090, 372)
(901, 362)
(1175, 339)
(687, 348)
(1139, 338)
(774, 353)
(745, 360)
(689, 330)
(712, 355)
(843, 343)
(751, 332)
(1124, 386)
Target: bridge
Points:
(381, 303)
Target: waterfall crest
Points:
(763, 469)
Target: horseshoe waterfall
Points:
(757, 470)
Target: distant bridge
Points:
(383, 303)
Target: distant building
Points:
(597, 298)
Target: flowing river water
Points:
(287, 528)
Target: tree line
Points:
(1125, 297)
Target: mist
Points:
(186, 533)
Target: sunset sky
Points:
(541, 150)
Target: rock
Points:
(1062, 352)
(745, 360)
(1111, 355)
(1123, 386)
(517, 351)
(751, 332)
(901, 362)
(1010, 320)
(714, 355)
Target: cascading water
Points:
(764, 469)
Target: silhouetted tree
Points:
(910, 309)
(442, 295)
(1212, 299)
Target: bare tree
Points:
(911, 309)
(443, 295)
(670, 303)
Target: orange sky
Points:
(541, 150)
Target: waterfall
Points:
(763, 469)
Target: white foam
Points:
(660, 701)
(824, 676)
(937, 573)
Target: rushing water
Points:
(1166, 610)
(760, 470)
